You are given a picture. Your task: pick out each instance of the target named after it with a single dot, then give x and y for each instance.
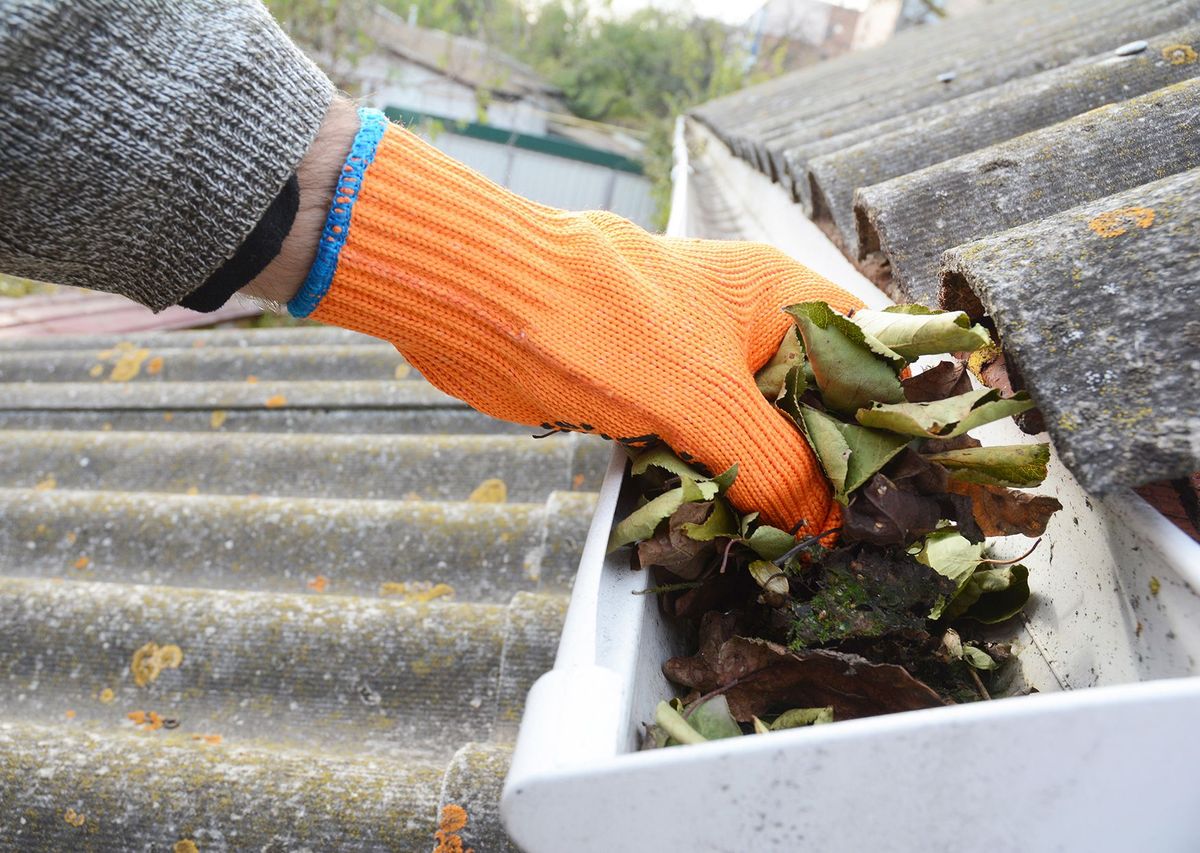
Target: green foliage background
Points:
(637, 71)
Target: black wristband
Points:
(252, 257)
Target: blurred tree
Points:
(638, 71)
(501, 23)
(333, 32)
(640, 68)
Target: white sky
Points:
(729, 11)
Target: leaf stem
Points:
(1014, 559)
(725, 557)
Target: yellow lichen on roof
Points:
(1114, 223)
(1179, 54)
(319, 583)
(151, 659)
(490, 491)
(420, 591)
(453, 821)
(128, 365)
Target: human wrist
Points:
(317, 176)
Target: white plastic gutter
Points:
(1112, 767)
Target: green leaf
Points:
(725, 479)
(798, 717)
(830, 446)
(794, 386)
(641, 523)
(978, 658)
(947, 418)
(692, 493)
(849, 454)
(992, 595)
(760, 728)
(851, 369)
(660, 456)
(713, 720)
(673, 723)
(744, 524)
(949, 554)
(770, 380)
(1017, 465)
(720, 522)
(770, 543)
(769, 576)
(993, 410)
(914, 330)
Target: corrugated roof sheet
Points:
(1120, 277)
(355, 638)
(912, 219)
(1001, 143)
(828, 171)
(925, 66)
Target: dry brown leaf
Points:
(1004, 512)
(767, 678)
(945, 379)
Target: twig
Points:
(978, 683)
(713, 693)
(802, 544)
(1014, 559)
(671, 587)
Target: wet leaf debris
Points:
(883, 613)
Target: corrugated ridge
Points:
(175, 396)
(198, 338)
(484, 551)
(390, 467)
(285, 362)
(352, 673)
(104, 791)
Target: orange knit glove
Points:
(572, 321)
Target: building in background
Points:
(920, 12)
(801, 32)
(498, 116)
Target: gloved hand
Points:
(572, 321)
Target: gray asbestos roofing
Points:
(1033, 162)
(289, 509)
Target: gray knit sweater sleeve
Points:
(142, 140)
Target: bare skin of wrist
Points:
(317, 176)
